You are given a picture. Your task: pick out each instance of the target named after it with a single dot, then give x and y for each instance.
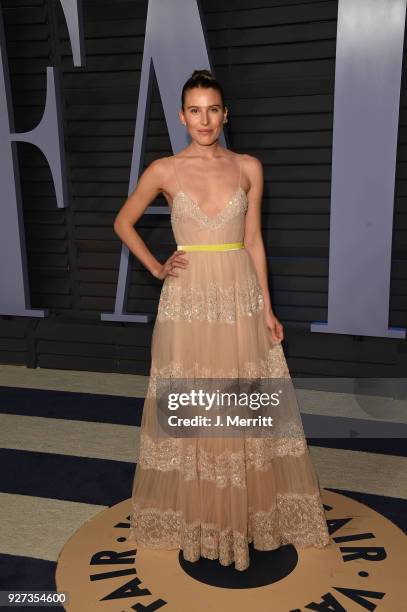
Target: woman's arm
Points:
(149, 185)
(253, 241)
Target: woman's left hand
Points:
(274, 326)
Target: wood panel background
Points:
(276, 61)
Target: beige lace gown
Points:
(211, 497)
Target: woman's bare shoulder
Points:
(249, 160)
(159, 168)
(161, 162)
(252, 169)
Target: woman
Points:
(212, 496)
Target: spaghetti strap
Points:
(175, 172)
(240, 172)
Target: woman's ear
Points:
(181, 117)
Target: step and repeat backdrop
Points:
(90, 94)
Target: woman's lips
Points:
(204, 131)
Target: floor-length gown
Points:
(208, 496)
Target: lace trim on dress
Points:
(210, 303)
(184, 207)
(223, 469)
(274, 365)
(296, 519)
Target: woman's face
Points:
(203, 114)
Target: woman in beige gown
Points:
(212, 496)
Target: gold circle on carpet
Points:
(362, 569)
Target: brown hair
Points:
(202, 78)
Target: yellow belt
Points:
(226, 246)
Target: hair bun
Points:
(202, 78)
(204, 72)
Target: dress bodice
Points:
(191, 225)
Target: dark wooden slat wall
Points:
(277, 63)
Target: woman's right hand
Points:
(176, 260)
